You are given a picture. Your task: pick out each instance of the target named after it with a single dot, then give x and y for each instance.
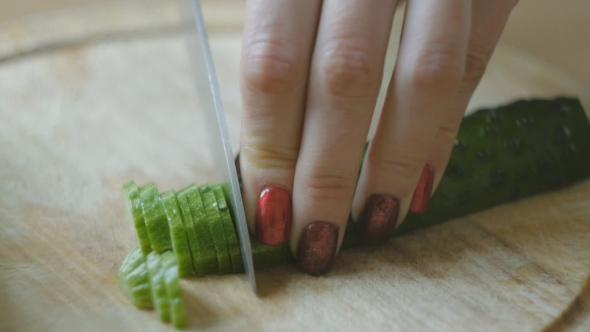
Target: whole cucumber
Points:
(501, 155)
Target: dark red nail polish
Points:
(423, 190)
(378, 219)
(317, 247)
(273, 216)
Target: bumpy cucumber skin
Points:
(134, 279)
(173, 290)
(191, 235)
(158, 285)
(505, 154)
(216, 228)
(178, 236)
(131, 191)
(206, 246)
(155, 218)
(229, 229)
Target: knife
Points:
(220, 143)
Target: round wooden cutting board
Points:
(93, 97)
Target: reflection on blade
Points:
(220, 144)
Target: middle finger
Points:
(346, 73)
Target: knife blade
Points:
(209, 97)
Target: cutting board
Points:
(92, 97)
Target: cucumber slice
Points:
(201, 225)
(158, 285)
(229, 229)
(134, 279)
(189, 228)
(155, 218)
(177, 234)
(216, 228)
(173, 290)
(131, 191)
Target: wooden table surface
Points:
(93, 97)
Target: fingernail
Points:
(317, 247)
(423, 191)
(378, 219)
(273, 216)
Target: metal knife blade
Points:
(220, 143)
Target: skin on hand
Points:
(311, 72)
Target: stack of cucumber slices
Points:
(514, 151)
(180, 234)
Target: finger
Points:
(487, 23)
(425, 80)
(277, 46)
(346, 73)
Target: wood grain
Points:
(80, 115)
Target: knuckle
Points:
(399, 166)
(270, 65)
(437, 71)
(348, 71)
(475, 66)
(447, 133)
(329, 187)
(266, 155)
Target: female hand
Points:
(310, 77)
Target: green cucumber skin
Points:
(155, 218)
(173, 290)
(180, 245)
(131, 191)
(193, 241)
(206, 246)
(228, 227)
(216, 228)
(157, 283)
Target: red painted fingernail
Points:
(423, 190)
(317, 247)
(378, 219)
(273, 216)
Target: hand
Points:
(310, 77)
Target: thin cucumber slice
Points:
(134, 279)
(229, 229)
(201, 225)
(216, 228)
(189, 228)
(177, 234)
(173, 290)
(131, 192)
(158, 285)
(155, 218)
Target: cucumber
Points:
(501, 155)
(201, 225)
(177, 234)
(173, 290)
(216, 229)
(515, 151)
(136, 212)
(158, 286)
(155, 218)
(229, 229)
(189, 227)
(134, 279)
